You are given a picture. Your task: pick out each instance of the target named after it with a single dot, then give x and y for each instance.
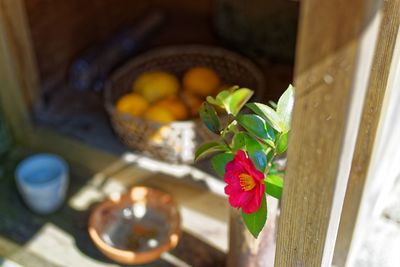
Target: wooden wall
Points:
(331, 77)
(61, 29)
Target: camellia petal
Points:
(245, 186)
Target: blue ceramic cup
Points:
(42, 180)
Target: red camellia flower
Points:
(245, 186)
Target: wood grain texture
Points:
(368, 128)
(18, 73)
(63, 29)
(325, 69)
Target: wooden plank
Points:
(368, 128)
(15, 254)
(16, 39)
(329, 97)
(45, 139)
(61, 238)
(18, 76)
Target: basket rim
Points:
(137, 119)
(166, 51)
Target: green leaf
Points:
(223, 99)
(259, 159)
(271, 133)
(254, 124)
(268, 114)
(273, 104)
(219, 162)
(255, 221)
(238, 99)
(270, 143)
(269, 153)
(209, 117)
(274, 185)
(238, 141)
(285, 107)
(256, 153)
(208, 148)
(282, 143)
(214, 101)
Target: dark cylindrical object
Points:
(91, 69)
(244, 249)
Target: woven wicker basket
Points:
(174, 142)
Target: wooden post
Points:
(378, 83)
(18, 73)
(331, 75)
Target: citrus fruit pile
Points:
(160, 97)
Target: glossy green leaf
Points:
(209, 148)
(282, 143)
(219, 162)
(274, 185)
(268, 114)
(223, 99)
(273, 104)
(255, 221)
(256, 153)
(259, 159)
(238, 141)
(238, 99)
(270, 143)
(214, 101)
(285, 107)
(271, 133)
(232, 127)
(254, 124)
(209, 117)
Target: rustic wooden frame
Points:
(371, 116)
(328, 77)
(19, 81)
(332, 71)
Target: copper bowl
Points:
(136, 227)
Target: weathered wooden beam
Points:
(370, 119)
(331, 75)
(18, 73)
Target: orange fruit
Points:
(160, 135)
(175, 106)
(192, 101)
(156, 85)
(133, 104)
(159, 114)
(201, 81)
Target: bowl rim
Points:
(31, 162)
(130, 256)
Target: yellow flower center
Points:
(246, 182)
